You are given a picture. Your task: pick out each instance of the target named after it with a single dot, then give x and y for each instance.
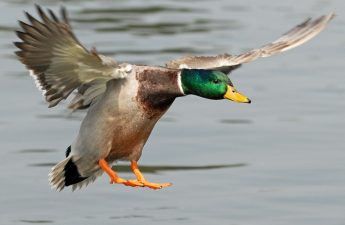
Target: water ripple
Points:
(36, 221)
(236, 121)
(136, 11)
(36, 150)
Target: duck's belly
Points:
(129, 138)
(116, 127)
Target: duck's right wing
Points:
(225, 62)
(59, 63)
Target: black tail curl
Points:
(72, 175)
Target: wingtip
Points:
(30, 17)
(64, 14)
(328, 17)
(18, 44)
(19, 54)
(53, 16)
(39, 9)
(332, 15)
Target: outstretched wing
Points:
(291, 39)
(60, 63)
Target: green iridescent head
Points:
(211, 84)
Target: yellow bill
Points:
(235, 96)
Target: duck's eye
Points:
(216, 81)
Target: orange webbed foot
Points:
(140, 182)
(141, 178)
(155, 186)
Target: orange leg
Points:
(141, 178)
(114, 178)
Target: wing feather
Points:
(58, 62)
(291, 39)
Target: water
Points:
(277, 161)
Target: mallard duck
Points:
(124, 100)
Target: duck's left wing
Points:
(59, 63)
(291, 39)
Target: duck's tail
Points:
(66, 173)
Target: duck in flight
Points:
(124, 100)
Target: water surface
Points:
(277, 161)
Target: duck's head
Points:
(211, 84)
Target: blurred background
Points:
(277, 161)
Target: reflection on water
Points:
(131, 217)
(136, 10)
(142, 218)
(68, 116)
(42, 164)
(199, 26)
(7, 29)
(135, 20)
(37, 221)
(36, 150)
(291, 137)
(236, 121)
(157, 169)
